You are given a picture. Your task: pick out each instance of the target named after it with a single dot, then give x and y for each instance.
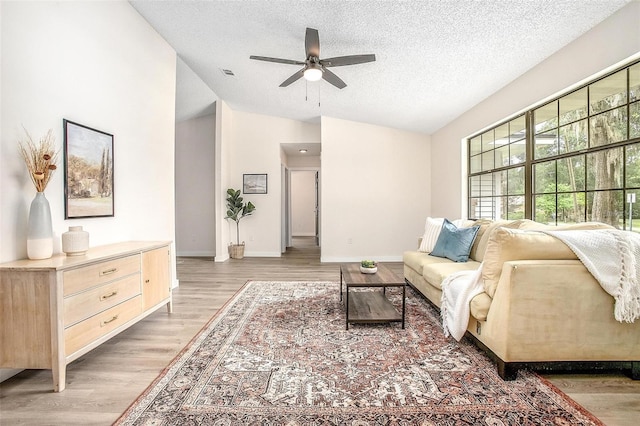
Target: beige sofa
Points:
(541, 308)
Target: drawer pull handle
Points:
(105, 322)
(106, 296)
(146, 281)
(108, 271)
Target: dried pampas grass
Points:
(40, 158)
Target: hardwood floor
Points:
(102, 384)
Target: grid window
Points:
(496, 171)
(584, 159)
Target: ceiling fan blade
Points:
(347, 60)
(297, 76)
(333, 79)
(312, 43)
(280, 61)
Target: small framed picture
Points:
(254, 184)
(88, 172)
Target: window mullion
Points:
(528, 168)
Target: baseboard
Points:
(262, 254)
(207, 253)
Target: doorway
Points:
(301, 200)
(305, 206)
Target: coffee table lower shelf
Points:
(371, 307)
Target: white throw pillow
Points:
(432, 229)
(463, 223)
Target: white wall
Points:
(222, 170)
(195, 179)
(193, 97)
(99, 64)
(254, 147)
(299, 161)
(375, 190)
(303, 203)
(612, 41)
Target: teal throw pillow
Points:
(455, 243)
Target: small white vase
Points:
(75, 242)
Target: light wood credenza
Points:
(55, 310)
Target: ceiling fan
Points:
(315, 68)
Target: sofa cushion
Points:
(487, 227)
(530, 224)
(415, 260)
(437, 269)
(481, 247)
(483, 225)
(479, 306)
(455, 243)
(581, 226)
(432, 229)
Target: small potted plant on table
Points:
(368, 267)
(236, 210)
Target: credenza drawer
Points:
(90, 302)
(80, 279)
(85, 332)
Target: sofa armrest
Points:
(555, 309)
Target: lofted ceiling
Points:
(435, 59)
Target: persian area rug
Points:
(278, 354)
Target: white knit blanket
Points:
(613, 258)
(457, 291)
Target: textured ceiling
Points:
(435, 59)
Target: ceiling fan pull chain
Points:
(306, 90)
(318, 96)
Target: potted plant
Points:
(236, 210)
(368, 266)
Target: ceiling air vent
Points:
(227, 72)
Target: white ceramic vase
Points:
(75, 242)
(40, 230)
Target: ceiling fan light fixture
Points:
(313, 74)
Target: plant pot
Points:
(236, 251)
(368, 270)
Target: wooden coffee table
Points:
(370, 306)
